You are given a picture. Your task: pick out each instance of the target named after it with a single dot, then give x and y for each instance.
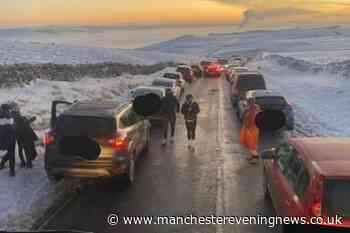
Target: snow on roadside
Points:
(24, 197)
(320, 100)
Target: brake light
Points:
(316, 209)
(316, 206)
(48, 139)
(119, 143)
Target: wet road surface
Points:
(215, 179)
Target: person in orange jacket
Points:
(249, 134)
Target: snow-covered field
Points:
(310, 66)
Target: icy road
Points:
(173, 181)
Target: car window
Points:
(303, 181)
(129, 118)
(293, 168)
(284, 156)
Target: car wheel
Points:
(265, 188)
(130, 175)
(148, 143)
(54, 178)
(289, 228)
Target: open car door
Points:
(54, 106)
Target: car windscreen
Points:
(336, 201)
(162, 84)
(144, 91)
(251, 83)
(272, 100)
(76, 125)
(184, 70)
(171, 76)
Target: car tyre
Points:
(130, 175)
(265, 188)
(148, 144)
(54, 178)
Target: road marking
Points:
(219, 198)
(220, 210)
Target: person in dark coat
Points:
(25, 137)
(7, 138)
(170, 106)
(190, 110)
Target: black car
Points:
(276, 112)
(244, 82)
(93, 140)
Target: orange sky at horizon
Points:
(16, 13)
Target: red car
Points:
(212, 70)
(186, 72)
(309, 177)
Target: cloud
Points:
(265, 13)
(252, 15)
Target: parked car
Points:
(144, 90)
(309, 177)
(176, 76)
(245, 82)
(234, 71)
(212, 70)
(197, 71)
(186, 72)
(94, 140)
(168, 83)
(279, 113)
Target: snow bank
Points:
(335, 68)
(25, 196)
(320, 100)
(11, 75)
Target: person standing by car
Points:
(170, 106)
(25, 137)
(249, 134)
(7, 138)
(190, 110)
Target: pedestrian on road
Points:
(25, 137)
(7, 138)
(249, 134)
(190, 110)
(170, 106)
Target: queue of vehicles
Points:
(302, 177)
(306, 177)
(104, 139)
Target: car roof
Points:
(94, 109)
(156, 88)
(240, 67)
(249, 74)
(328, 156)
(164, 80)
(184, 66)
(263, 93)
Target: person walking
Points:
(25, 137)
(190, 110)
(7, 138)
(170, 106)
(249, 134)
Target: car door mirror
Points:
(268, 154)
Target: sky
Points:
(244, 13)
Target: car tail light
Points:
(48, 139)
(119, 143)
(316, 206)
